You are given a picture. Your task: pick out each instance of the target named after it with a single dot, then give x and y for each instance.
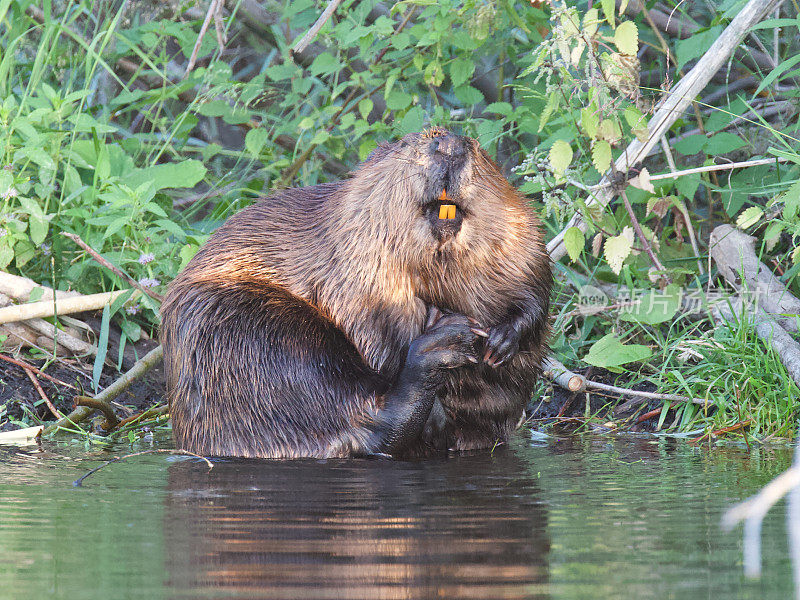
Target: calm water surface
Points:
(581, 517)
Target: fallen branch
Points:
(113, 268)
(142, 366)
(20, 288)
(559, 374)
(65, 306)
(734, 253)
(101, 405)
(671, 107)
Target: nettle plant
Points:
(593, 107)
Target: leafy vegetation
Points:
(104, 133)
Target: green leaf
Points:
(324, 63)
(691, 144)
(560, 157)
(186, 254)
(102, 348)
(791, 200)
(749, 217)
(24, 251)
(590, 122)
(777, 72)
(155, 209)
(722, 143)
(626, 38)
(401, 41)
(617, 249)
(183, 174)
(37, 155)
(468, 95)
(365, 107)
(696, 45)
(6, 254)
(601, 156)
(398, 100)
(461, 69)
(254, 140)
(591, 21)
(172, 227)
(574, 242)
(609, 351)
(412, 121)
(500, 108)
(37, 222)
(654, 307)
(552, 102)
(687, 186)
(608, 11)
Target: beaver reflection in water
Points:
(348, 319)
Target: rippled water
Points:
(582, 517)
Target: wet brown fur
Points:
(284, 330)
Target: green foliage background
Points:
(104, 133)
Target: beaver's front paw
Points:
(502, 344)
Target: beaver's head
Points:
(443, 186)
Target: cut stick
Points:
(574, 382)
(671, 107)
(558, 373)
(21, 437)
(65, 306)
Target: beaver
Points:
(349, 319)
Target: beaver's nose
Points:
(449, 145)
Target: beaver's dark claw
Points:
(501, 345)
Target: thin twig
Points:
(43, 396)
(79, 481)
(640, 234)
(725, 167)
(29, 367)
(651, 414)
(312, 33)
(213, 13)
(114, 269)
